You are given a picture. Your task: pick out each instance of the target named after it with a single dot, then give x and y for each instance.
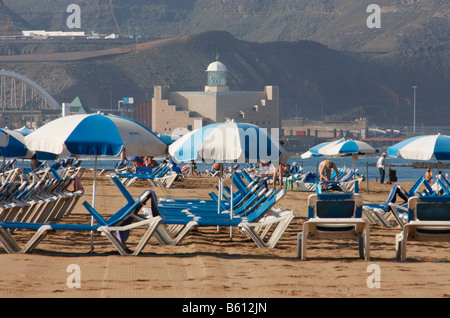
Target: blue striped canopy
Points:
(95, 135)
(422, 148)
(228, 142)
(16, 147)
(342, 147)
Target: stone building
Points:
(217, 103)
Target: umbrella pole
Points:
(367, 176)
(94, 189)
(220, 189)
(231, 200)
(23, 166)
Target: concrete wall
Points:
(326, 128)
(173, 110)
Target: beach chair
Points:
(253, 221)
(414, 189)
(310, 181)
(6, 169)
(255, 225)
(154, 176)
(383, 213)
(45, 200)
(120, 221)
(10, 203)
(441, 187)
(166, 180)
(335, 216)
(428, 221)
(241, 198)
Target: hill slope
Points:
(339, 24)
(313, 79)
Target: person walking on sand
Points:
(381, 166)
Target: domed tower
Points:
(216, 77)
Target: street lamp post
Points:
(414, 124)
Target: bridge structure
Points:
(23, 101)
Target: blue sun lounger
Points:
(381, 213)
(428, 220)
(240, 196)
(335, 216)
(120, 221)
(256, 221)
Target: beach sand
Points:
(207, 263)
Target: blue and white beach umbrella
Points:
(229, 142)
(4, 139)
(168, 139)
(342, 147)
(95, 135)
(16, 147)
(422, 148)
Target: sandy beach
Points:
(207, 263)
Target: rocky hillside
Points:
(314, 80)
(339, 24)
(321, 53)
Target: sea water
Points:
(365, 166)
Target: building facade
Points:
(217, 103)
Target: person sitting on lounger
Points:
(215, 167)
(325, 168)
(429, 175)
(137, 162)
(150, 162)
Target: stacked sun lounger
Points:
(120, 222)
(346, 181)
(41, 201)
(394, 213)
(253, 213)
(161, 176)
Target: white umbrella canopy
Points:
(229, 142)
(342, 147)
(4, 139)
(422, 148)
(15, 148)
(95, 135)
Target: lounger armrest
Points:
(94, 213)
(122, 189)
(429, 223)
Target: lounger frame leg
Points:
(115, 241)
(148, 234)
(400, 245)
(258, 231)
(8, 242)
(164, 238)
(302, 238)
(36, 239)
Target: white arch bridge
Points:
(19, 93)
